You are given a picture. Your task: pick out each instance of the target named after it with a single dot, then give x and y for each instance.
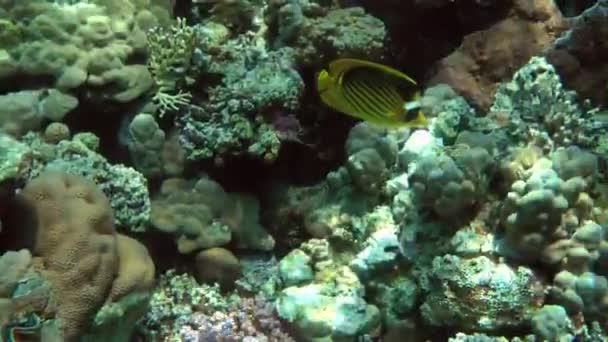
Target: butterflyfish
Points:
(372, 92)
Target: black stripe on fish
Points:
(391, 87)
(369, 108)
(372, 93)
(372, 103)
(396, 98)
(390, 96)
(356, 103)
(359, 103)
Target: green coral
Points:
(126, 188)
(12, 156)
(10, 34)
(116, 321)
(257, 84)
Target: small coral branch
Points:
(166, 102)
(170, 62)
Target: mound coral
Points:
(77, 241)
(81, 276)
(201, 216)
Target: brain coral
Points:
(77, 242)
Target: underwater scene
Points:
(303, 170)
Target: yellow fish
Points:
(372, 92)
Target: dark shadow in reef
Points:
(21, 82)
(163, 251)
(422, 37)
(19, 224)
(572, 8)
(106, 121)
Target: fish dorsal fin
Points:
(341, 66)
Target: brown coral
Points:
(217, 265)
(488, 57)
(136, 270)
(77, 243)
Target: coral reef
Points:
(319, 35)
(169, 173)
(82, 45)
(183, 310)
(478, 294)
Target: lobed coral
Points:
(146, 143)
(83, 44)
(25, 110)
(452, 183)
(213, 219)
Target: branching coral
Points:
(171, 62)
